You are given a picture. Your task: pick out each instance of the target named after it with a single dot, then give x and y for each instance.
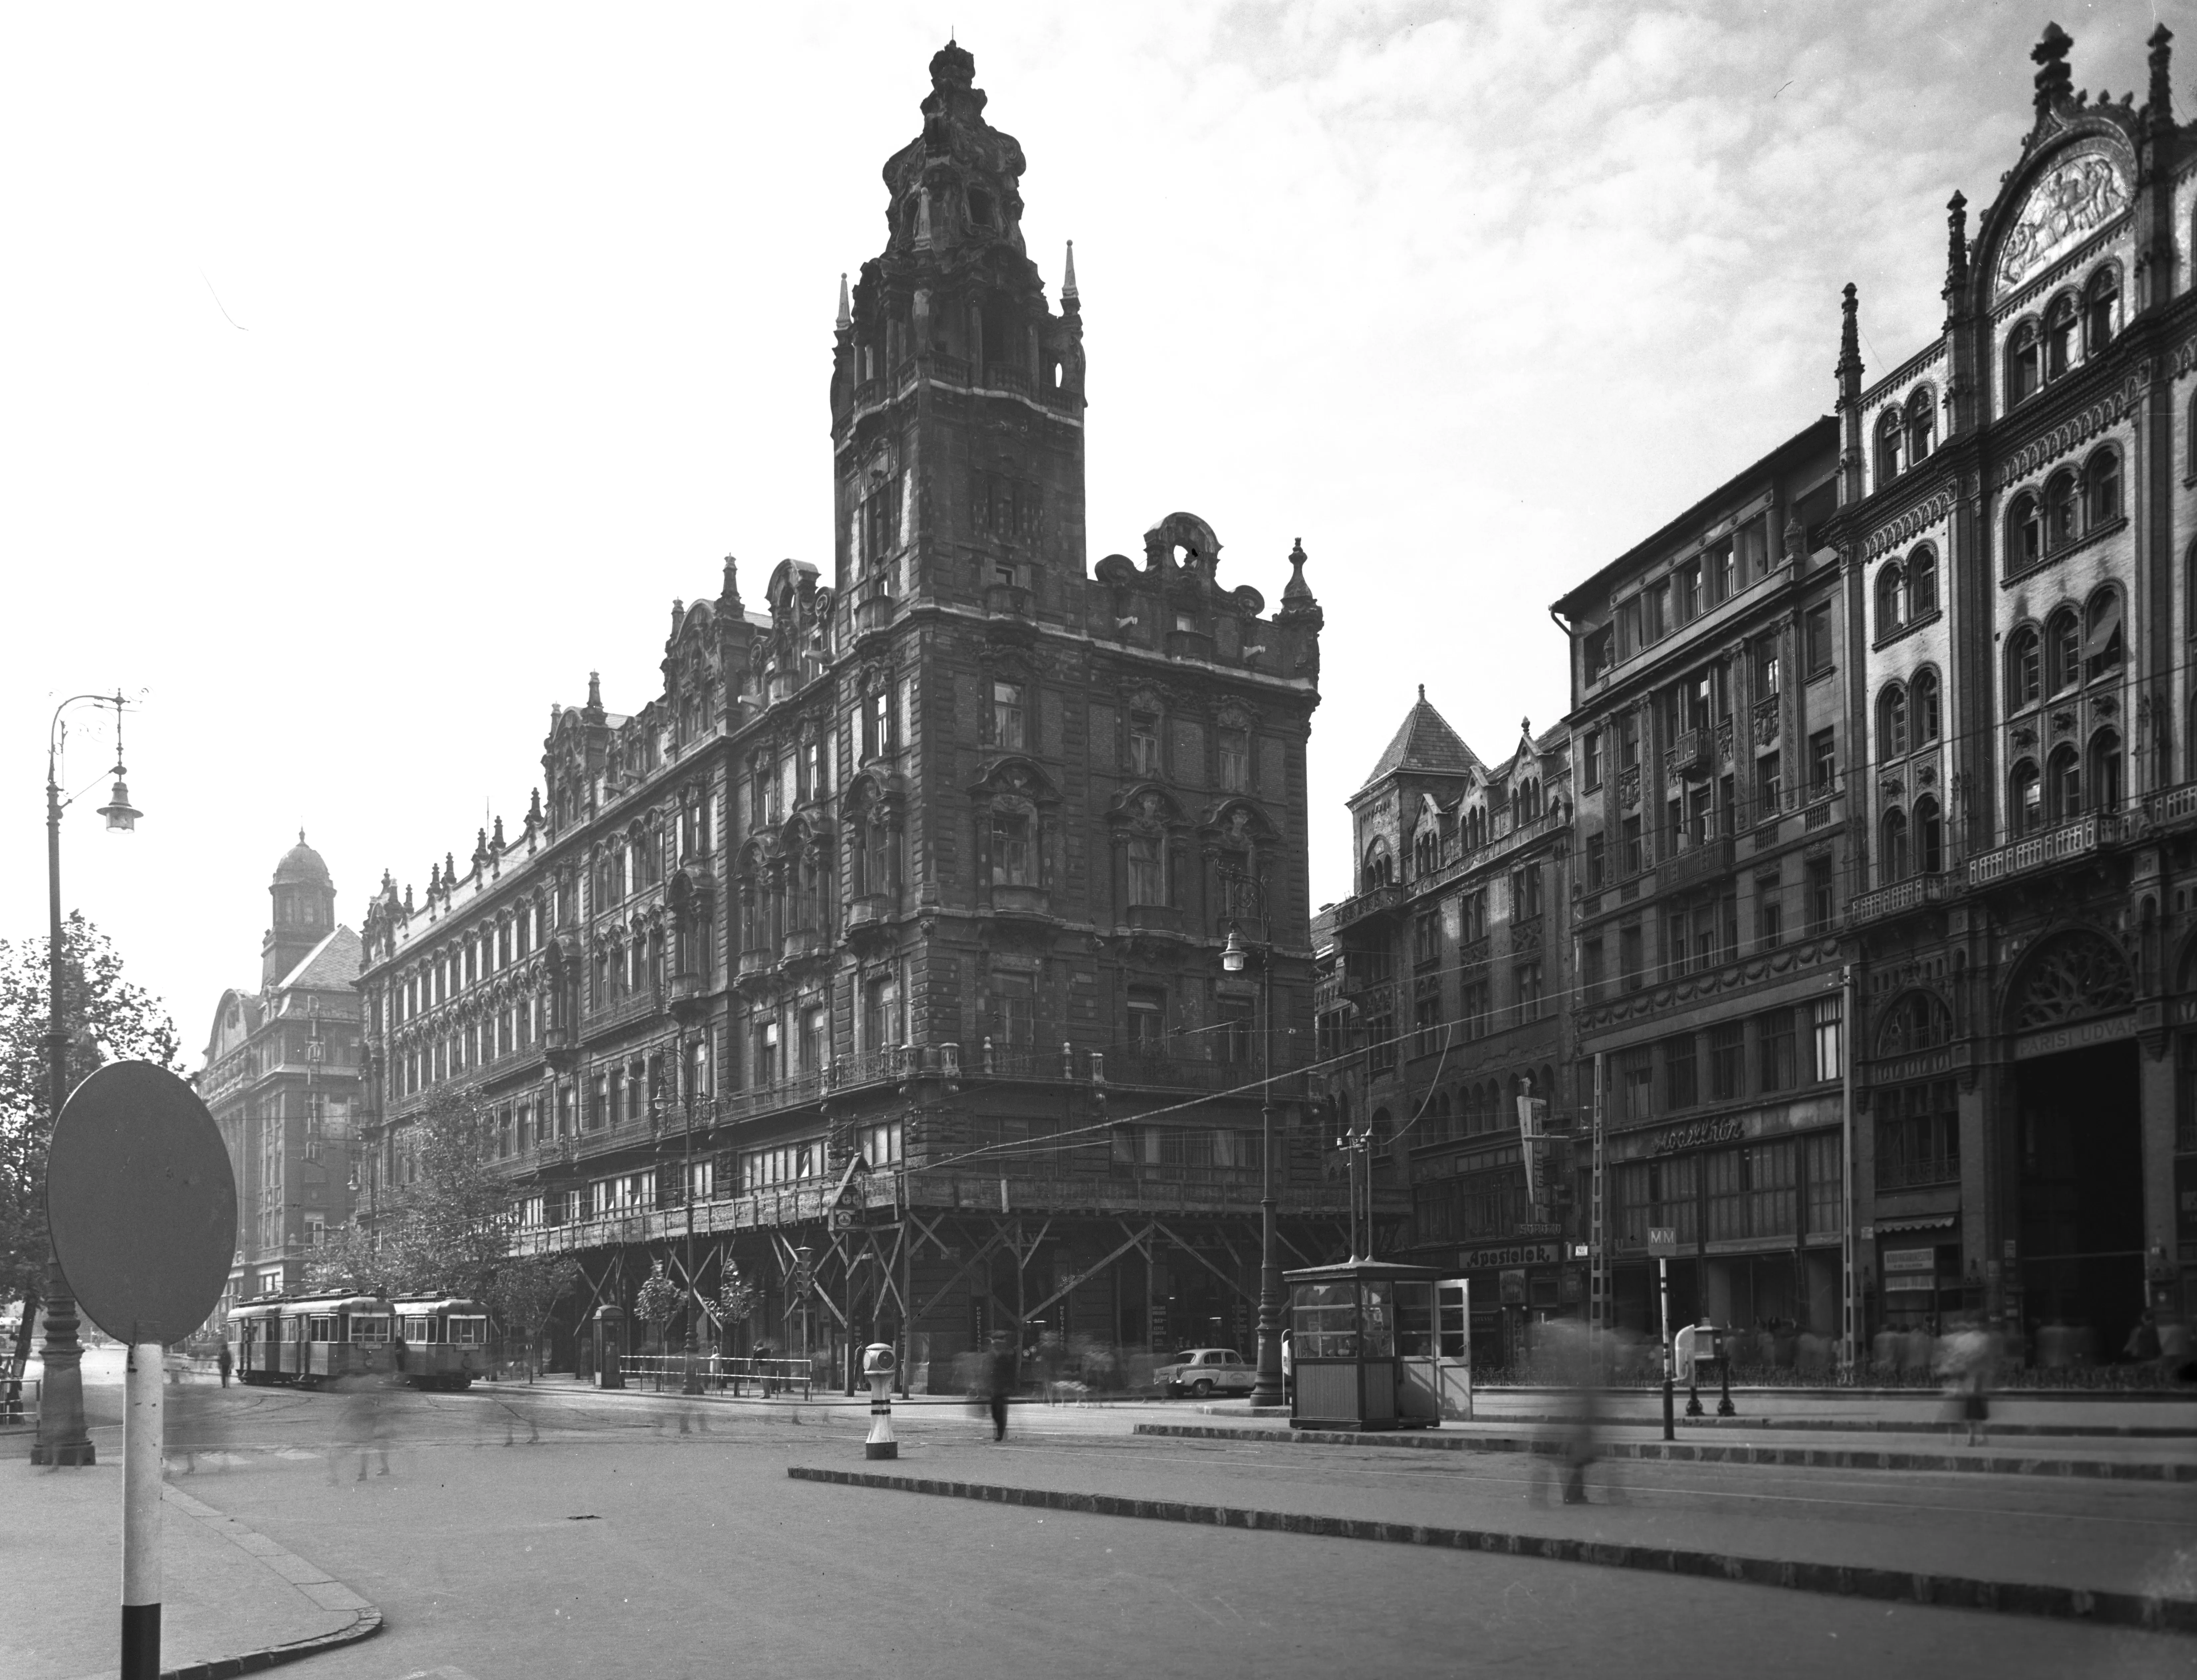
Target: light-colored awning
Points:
(1920, 1222)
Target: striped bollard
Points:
(878, 1365)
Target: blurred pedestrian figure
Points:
(1918, 1349)
(999, 1382)
(1289, 1368)
(224, 1361)
(2141, 1346)
(1884, 1351)
(1967, 1360)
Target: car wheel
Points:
(1202, 1387)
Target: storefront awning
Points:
(1920, 1222)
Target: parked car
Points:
(1204, 1371)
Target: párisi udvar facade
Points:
(911, 886)
(2019, 506)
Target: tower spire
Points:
(846, 308)
(1069, 295)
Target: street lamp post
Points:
(63, 1439)
(1247, 892)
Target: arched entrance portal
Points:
(2078, 1158)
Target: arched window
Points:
(2059, 335)
(1892, 721)
(1923, 709)
(1891, 853)
(1929, 838)
(2063, 785)
(1922, 584)
(2102, 642)
(1921, 427)
(2102, 306)
(2024, 805)
(2024, 533)
(1426, 852)
(2060, 528)
(2024, 671)
(1380, 868)
(2063, 652)
(2105, 770)
(1890, 436)
(1891, 596)
(2024, 369)
(2101, 490)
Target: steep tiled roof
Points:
(329, 966)
(1425, 744)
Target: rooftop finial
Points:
(1068, 292)
(1422, 693)
(2162, 85)
(2054, 80)
(595, 678)
(846, 308)
(1850, 334)
(301, 837)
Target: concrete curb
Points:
(1689, 1452)
(323, 1589)
(2148, 1612)
(1881, 1426)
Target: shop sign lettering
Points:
(1517, 1254)
(2077, 1037)
(1729, 1129)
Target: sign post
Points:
(142, 1207)
(1662, 1243)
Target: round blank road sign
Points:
(142, 1202)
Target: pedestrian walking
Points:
(223, 1360)
(1288, 1367)
(2174, 1361)
(999, 1382)
(2141, 1346)
(1967, 1358)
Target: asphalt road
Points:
(556, 1532)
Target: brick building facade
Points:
(911, 884)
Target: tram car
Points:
(443, 1342)
(310, 1339)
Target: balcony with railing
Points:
(1375, 901)
(1914, 1172)
(1704, 859)
(1898, 899)
(1009, 600)
(2057, 844)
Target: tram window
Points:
(469, 1332)
(371, 1329)
(321, 1327)
(415, 1330)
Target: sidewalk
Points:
(228, 1596)
(2036, 1547)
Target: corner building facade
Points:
(282, 1081)
(911, 886)
(1709, 681)
(2019, 506)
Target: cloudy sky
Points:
(369, 376)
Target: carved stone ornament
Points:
(1891, 786)
(2074, 198)
(1628, 788)
(2072, 977)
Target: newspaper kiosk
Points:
(1361, 1332)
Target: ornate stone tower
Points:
(957, 394)
(304, 911)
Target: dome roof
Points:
(302, 865)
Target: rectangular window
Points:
(1818, 893)
(1426, 1025)
(1147, 878)
(766, 1054)
(1597, 862)
(1014, 1012)
(1633, 1081)
(1826, 1027)
(1007, 717)
(1628, 741)
(1769, 912)
(1774, 1038)
(815, 1046)
(1674, 945)
(1769, 787)
(1591, 967)
(1236, 761)
(1147, 1018)
(881, 1016)
(1918, 1135)
(1475, 998)
(1011, 849)
(1593, 760)
(1822, 763)
(1751, 546)
(1597, 653)
(1144, 744)
(1680, 1088)
(1472, 919)
(1658, 598)
(1767, 673)
(1636, 855)
(1629, 641)
(1530, 989)
(1723, 573)
(1632, 962)
(1689, 591)
(1816, 637)
(1826, 1185)
(1727, 1061)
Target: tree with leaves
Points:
(445, 1228)
(527, 1289)
(108, 1019)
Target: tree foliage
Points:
(526, 1290)
(444, 1229)
(108, 1019)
